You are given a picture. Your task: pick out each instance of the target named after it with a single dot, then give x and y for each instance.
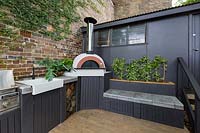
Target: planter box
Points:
(161, 88)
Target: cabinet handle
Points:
(196, 49)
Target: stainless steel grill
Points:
(9, 95)
(9, 99)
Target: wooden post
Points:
(197, 114)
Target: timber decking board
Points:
(99, 121)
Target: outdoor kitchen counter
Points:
(68, 79)
(43, 111)
(25, 89)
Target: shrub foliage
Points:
(142, 69)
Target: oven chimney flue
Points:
(90, 25)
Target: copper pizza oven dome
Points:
(88, 61)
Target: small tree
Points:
(183, 2)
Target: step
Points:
(193, 107)
(191, 96)
(145, 98)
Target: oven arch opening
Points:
(90, 64)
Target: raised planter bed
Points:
(161, 88)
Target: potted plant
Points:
(142, 75)
(55, 68)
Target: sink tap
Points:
(33, 72)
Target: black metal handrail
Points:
(190, 76)
(194, 117)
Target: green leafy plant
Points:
(118, 67)
(132, 71)
(54, 67)
(183, 2)
(38, 15)
(142, 69)
(159, 64)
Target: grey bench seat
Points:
(145, 98)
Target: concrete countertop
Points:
(68, 79)
(26, 89)
(145, 98)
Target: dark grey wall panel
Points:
(10, 121)
(105, 53)
(195, 46)
(169, 38)
(128, 52)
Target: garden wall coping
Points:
(145, 98)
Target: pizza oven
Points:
(88, 61)
(88, 64)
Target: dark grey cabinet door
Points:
(10, 121)
(90, 87)
(46, 111)
(195, 66)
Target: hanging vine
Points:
(36, 15)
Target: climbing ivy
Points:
(36, 15)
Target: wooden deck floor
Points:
(98, 121)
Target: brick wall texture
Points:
(126, 8)
(33, 46)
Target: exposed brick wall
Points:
(34, 46)
(126, 8)
(106, 14)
